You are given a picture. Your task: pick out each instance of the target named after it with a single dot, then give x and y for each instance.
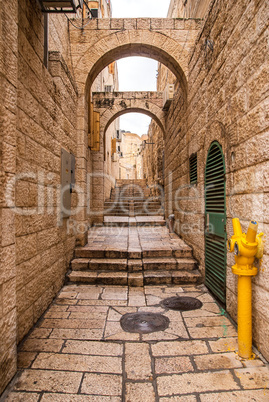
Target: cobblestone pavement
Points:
(79, 352)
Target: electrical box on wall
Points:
(67, 181)
(168, 95)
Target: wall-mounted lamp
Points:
(60, 6)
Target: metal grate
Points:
(193, 169)
(215, 232)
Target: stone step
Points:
(172, 277)
(169, 264)
(136, 278)
(84, 252)
(121, 264)
(95, 264)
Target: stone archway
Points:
(113, 105)
(103, 41)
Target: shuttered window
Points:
(215, 234)
(193, 169)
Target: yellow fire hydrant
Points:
(246, 248)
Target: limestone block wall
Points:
(228, 102)
(46, 122)
(38, 117)
(8, 100)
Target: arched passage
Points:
(115, 104)
(159, 121)
(168, 41)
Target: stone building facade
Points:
(221, 94)
(130, 161)
(227, 102)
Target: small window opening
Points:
(193, 169)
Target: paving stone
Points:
(78, 398)
(195, 382)
(57, 314)
(57, 309)
(125, 310)
(212, 332)
(113, 315)
(114, 294)
(159, 336)
(72, 362)
(92, 294)
(179, 348)
(206, 298)
(255, 377)
(66, 301)
(102, 302)
(138, 300)
(101, 384)
(40, 333)
(114, 331)
(235, 396)
(202, 312)
(88, 334)
(185, 398)
(167, 365)
(173, 289)
(208, 321)
(67, 295)
(55, 323)
(218, 361)
(22, 397)
(89, 309)
(137, 392)
(42, 345)
(50, 381)
(173, 315)
(252, 363)
(152, 309)
(224, 345)
(87, 316)
(153, 300)
(93, 348)
(177, 328)
(25, 359)
(137, 361)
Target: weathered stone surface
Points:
(140, 391)
(137, 368)
(195, 382)
(53, 381)
(179, 348)
(102, 384)
(103, 364)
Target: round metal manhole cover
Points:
(181, 303)
(144, 323)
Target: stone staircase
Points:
(134, 248)
(132, 198)
(134, 268)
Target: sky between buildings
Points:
(137, 73)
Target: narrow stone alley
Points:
(134, 167)
(79, 352)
